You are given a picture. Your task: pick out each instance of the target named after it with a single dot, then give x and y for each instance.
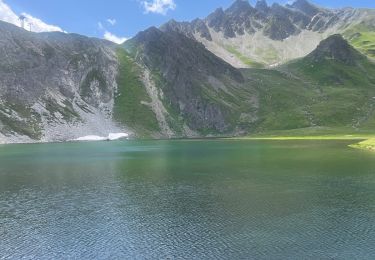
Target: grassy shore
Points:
(314, 133)
(366, 145)
(366, 138)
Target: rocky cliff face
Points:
(263, 35)
(55, 86)
(196, 91)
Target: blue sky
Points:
(127, 17)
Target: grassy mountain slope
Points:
(334, 86)
(130, 106)
(193, 91)
(362, 37)
(331, 88)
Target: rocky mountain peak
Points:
(280, 10)
(214, 20)
(171, 25)
(261, 6)
(305, 7)
(239, 6)
(300, 2)
(336, 48)
(187, 69)
(148, 34)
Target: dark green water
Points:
(187, 200)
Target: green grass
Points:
(270, 54)
(68, 113)
(362, 37)
(366, 137)
(305, 94)
(245, 60)
(314, 133)
(130, 108)
(365, 42)
(282, 101)
(365, 145)
(29, 124)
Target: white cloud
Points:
(110, 36)
(111, 21)
(37, 25)
(114, 38)
(158, 6)
(7, 15)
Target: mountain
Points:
(335, 48)
(55, 86)
(333, 86)
(192, 90)
(263, 35)
(183, 79)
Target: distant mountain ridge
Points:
(247, 36)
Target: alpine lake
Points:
(187, 199)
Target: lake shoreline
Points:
(368, 145)
(363, 141)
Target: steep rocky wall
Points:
(55, 86)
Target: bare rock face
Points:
(244, 35)
(277, 22)
(191, 79)
(55, 86)
(262, 6)
(58, 87)
(305, 7)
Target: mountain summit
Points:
(261, 6)
(338, 49)
(239, 6)
(264, 35)
(305, 7)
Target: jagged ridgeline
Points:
(260, 36)
(241, 70)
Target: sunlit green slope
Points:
(334, 86)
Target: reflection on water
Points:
(187, 199)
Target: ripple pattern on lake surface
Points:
(187, 200)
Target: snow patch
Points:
(116, 136)
(110, 137)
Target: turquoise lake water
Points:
(200, 199)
